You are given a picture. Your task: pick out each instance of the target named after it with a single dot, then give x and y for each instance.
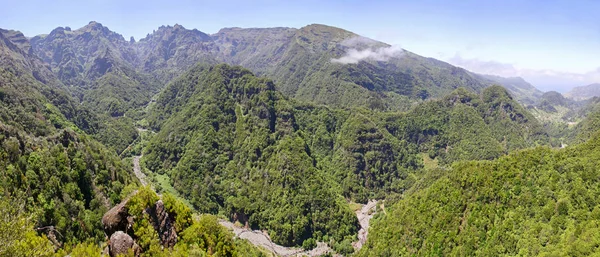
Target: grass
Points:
(429, 163)
(355, 206)
(164, 182)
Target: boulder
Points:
(120, 243)
(117, 219)
(163, 223)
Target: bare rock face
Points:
(117, 219)
(120, 243)
(163, 223)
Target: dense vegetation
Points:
(230, 145)
(116, 76)
(533, 202)
(466, 126)
(49, 166)
(287, 155)
(226, 137)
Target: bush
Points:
(309, 244)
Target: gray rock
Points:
(163, 223)
(120, 243)
(117, 219)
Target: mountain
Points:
(225, 137)
(552, 99)
(539, 201)
(520, 89)
(584, 92)
(303, 64)
(54, 175)
(316, 63)
(98, 66)
(230, 143)
(466, 126)
(318, 121)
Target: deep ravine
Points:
(262, 239)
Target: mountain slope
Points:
(520, 89)
(228, 141)
(316, 63)
(584, 92)
(302, 63)
(47, 162)
(533, 202)
(98, 66)
(466, 126)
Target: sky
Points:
(553, 44)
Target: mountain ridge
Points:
(584, 92)
(300, 60)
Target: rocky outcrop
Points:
(163, 223)
(118, 226)
(117, 219)
(120, 243)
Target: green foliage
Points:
(208, 235)
(465, 126)
(117, 133)
(183, 218)
(202, 236)
(45, 156)
(533, 202)
(17, 235)
(143, 199)
(86, 249)
(309, 244)
(70, 177)
(232, 144)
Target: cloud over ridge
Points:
(362, 48)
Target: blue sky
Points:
(555, 44)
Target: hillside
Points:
(520, 89)
(466, 126)
(286, 133)
(237, 136)
(54, 176)
(584, 92)
(97, 66)
(222, 133)
(533, 202)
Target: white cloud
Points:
(545, 79)
(362, 48)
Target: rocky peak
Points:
(18, 39)
(96, 28)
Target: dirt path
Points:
(138, 171)
(364, 216)
(261, 239)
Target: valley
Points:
(310, 141)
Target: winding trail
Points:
(262, 239)
(138, 171)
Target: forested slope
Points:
(533, 202)
(49, 165)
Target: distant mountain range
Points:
(316, 63)
(584, 92)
